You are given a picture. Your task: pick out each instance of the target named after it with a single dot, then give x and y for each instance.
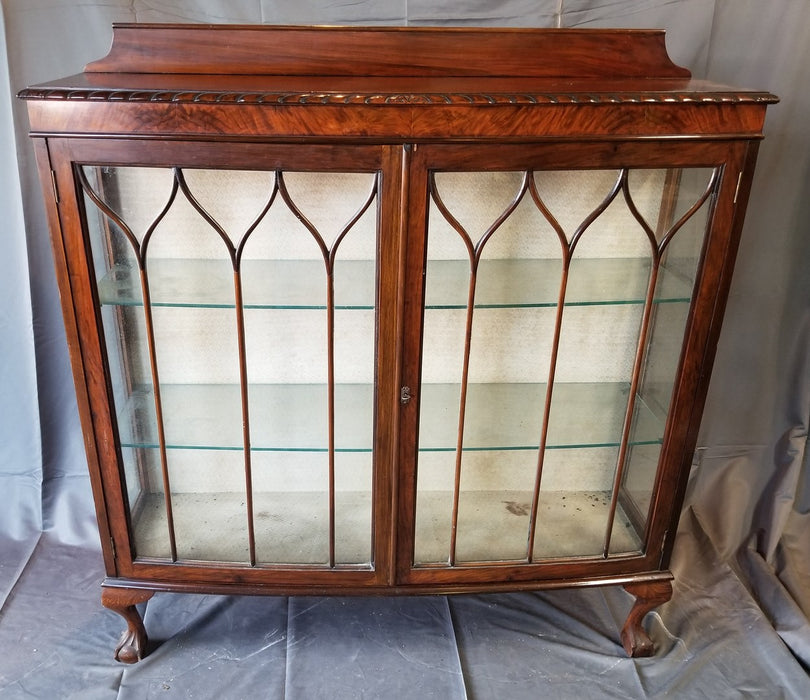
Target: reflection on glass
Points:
(680, 259)
(555, 309)
(246, 430)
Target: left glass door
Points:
(238, 309)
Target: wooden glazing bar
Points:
(236, 258)
(140, 248)
(465, 371)
(641, 349)
(541, 450)
(328, 255)
(552, 369)
(472, 254)
(110, 193)
(243, 386)
(672, 184)
(330, 381)
(329, 259)
(164, 462)
(638, 363)
(234, 255)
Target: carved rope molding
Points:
(341, 98)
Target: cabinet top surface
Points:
(385, 65)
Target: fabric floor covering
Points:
(713, 641)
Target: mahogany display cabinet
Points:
(390, 310)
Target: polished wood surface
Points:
(648, 595)
(387, 51)
(390, 84)
(131, 647)
(401, 103)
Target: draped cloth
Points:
(738, 622)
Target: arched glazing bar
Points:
(658, 247)
(656, 244)
(567, 249)
(474, 253)
(235, 242)
(140, 249)
(235, 253)
(329, 255)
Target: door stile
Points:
(392, 214)
(414, 228)
(87, 351)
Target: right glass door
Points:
(554, 309)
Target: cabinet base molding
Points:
(132, 646)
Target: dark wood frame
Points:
(401, 102)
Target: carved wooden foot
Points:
(648, 595)
(132, 644)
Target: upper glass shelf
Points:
(509, 283)
(301, 284)
(266, 284)
(293, 417)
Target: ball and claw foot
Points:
(131, 646)
(651, 594)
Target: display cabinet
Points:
(390, 310)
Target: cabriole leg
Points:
(132, 644)
(648, 595)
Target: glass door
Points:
(554, 307)
(239, 309)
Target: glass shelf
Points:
(509, 417)
(493, 526)
(300, 284)
(536, 283)
(283, 417)
(292, 417)
(491, 531)
(266, 284)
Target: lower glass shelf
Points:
(494, 526)
(293, 417)
(291, 527)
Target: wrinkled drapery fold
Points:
(750, 490)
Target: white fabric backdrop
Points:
(750, 491)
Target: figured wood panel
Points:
(396, 124)
(388, 51)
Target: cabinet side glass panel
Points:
(116, 258)
(682, 226)
(548, 341)
(238, 311)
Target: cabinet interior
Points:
(240, 313)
